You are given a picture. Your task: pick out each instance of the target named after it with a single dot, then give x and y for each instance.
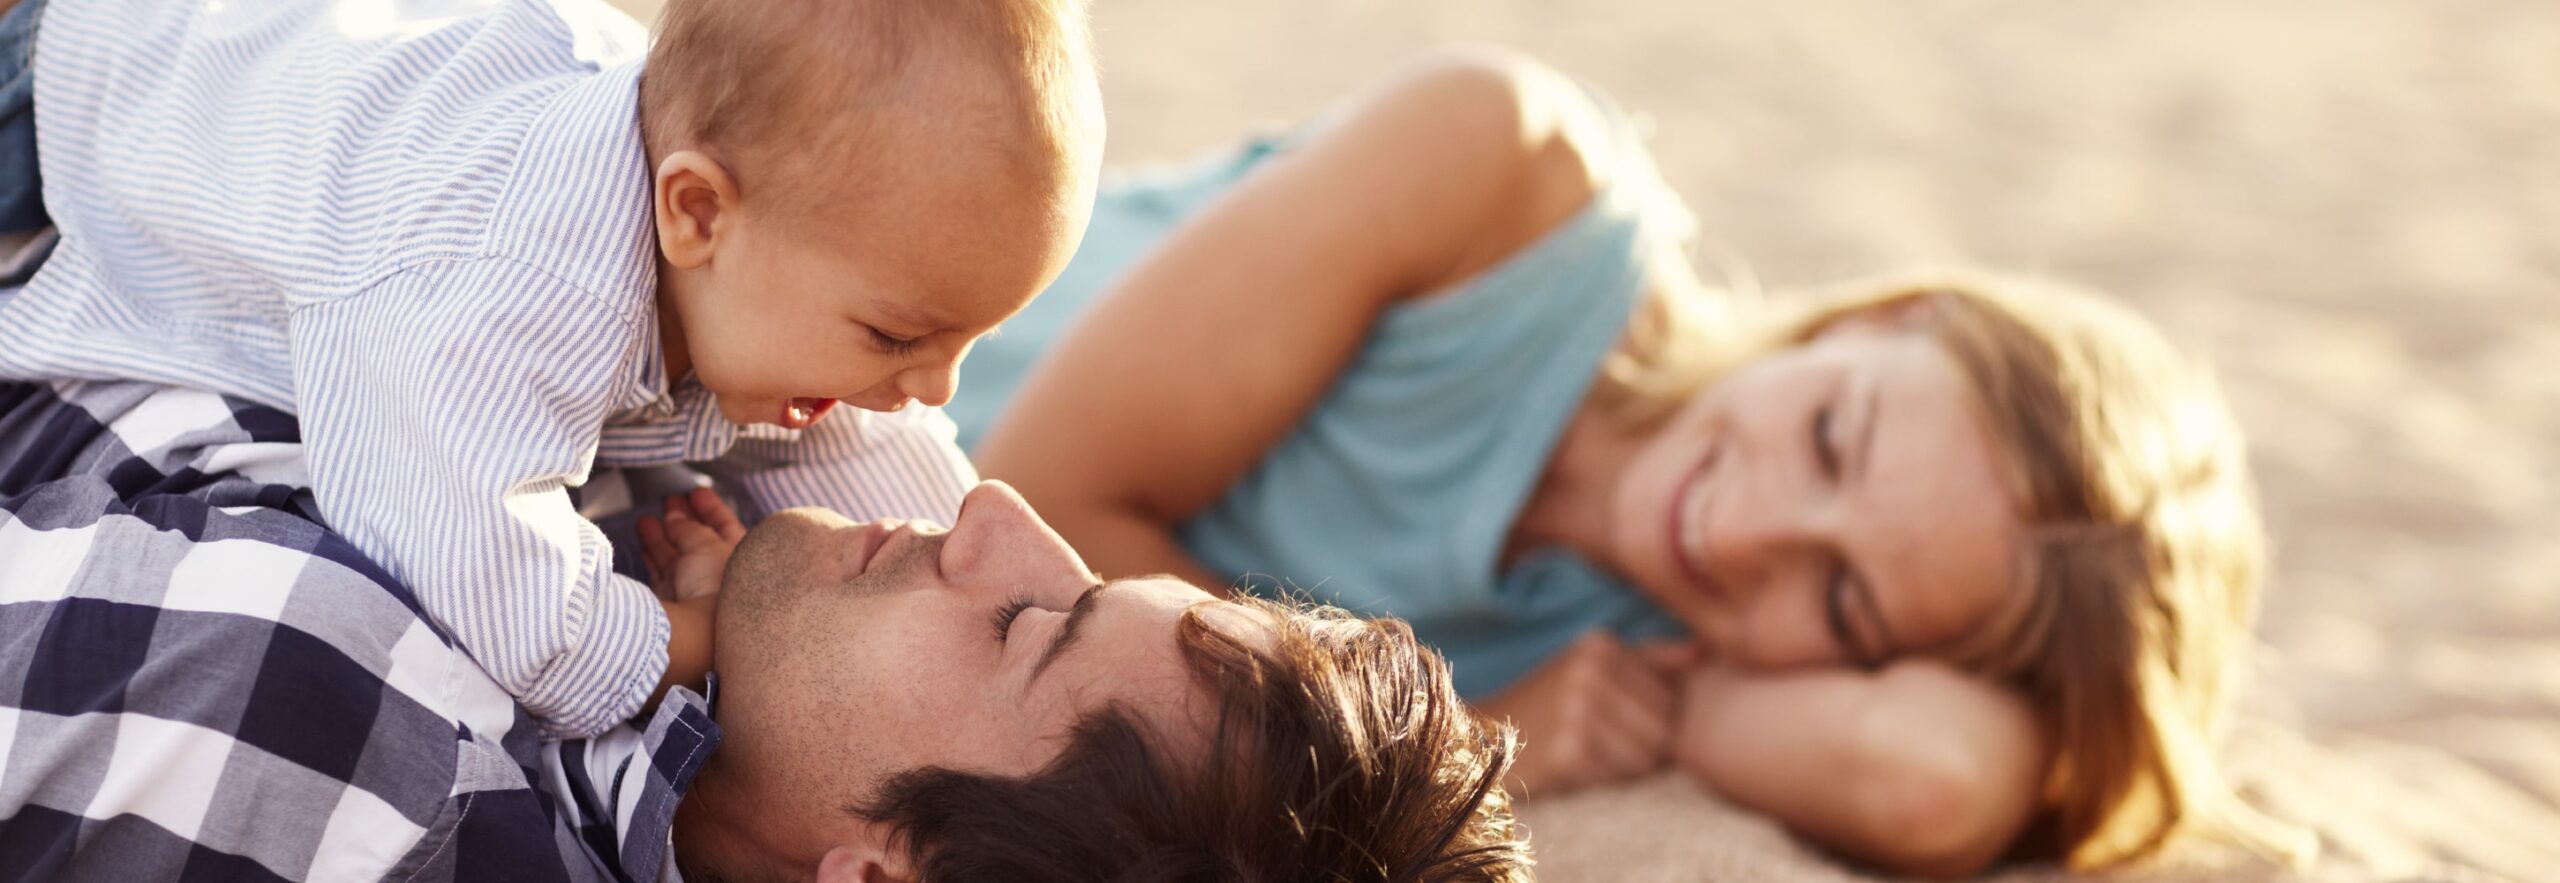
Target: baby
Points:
(481, 248)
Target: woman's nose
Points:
(1751, 526)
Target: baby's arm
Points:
(688, 551)
(444, 414)
(864, 465)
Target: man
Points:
(197, 682)
(982, 694)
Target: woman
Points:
(1967, 566)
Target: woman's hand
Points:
(1598, 712)
(688, 550)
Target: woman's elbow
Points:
(1951, 806)
(1942, 823)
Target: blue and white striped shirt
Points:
(424, 228)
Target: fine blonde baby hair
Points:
(782, 92)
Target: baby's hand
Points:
(689, 549)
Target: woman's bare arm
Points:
(1214, 346)
(1918, 768)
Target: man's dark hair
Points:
(1340, 752)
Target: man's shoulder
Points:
(245, 692)
(191, 669)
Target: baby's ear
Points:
(694, 199)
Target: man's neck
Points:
(711, 838)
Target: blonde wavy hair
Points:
(2145, 549)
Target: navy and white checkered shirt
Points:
(199, 682)
(423, 229)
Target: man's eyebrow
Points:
(1074, 627)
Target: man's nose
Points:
(995, 529)
(993, 502)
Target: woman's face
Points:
(1832, 502)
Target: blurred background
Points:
(2353, 209)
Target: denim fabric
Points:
(21, 187)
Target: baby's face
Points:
(873, 299)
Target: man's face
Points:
(849, 653)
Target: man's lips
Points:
(874, 536)
(804, 412)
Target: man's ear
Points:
(696, 199)
(864, 864)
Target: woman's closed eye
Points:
(1842, 588)
(1839, 592)
(1825, 452)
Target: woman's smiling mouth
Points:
(1686, 504)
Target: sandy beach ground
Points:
(2352, 208)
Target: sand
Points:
(2353, 209)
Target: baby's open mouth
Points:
(802, 413)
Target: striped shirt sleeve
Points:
(864, 464)
(445, 411)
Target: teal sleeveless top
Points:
(1396, 494)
